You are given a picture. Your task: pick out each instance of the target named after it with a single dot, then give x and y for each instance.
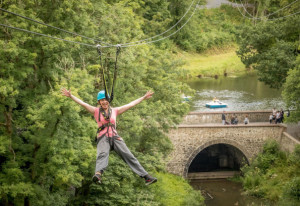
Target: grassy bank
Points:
(212, 62)
(174, 190)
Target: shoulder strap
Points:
(106, 117)
(99, 114)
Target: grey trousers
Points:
(116, 143)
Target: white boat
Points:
(216, 104)
(186, 98)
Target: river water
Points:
(242, 93)
(225, 193)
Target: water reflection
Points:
(223, 192)
(241, 93)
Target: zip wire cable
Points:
(90, 45)
(148, 42)
(164, 31)
(165, 36)
(108, 45)
(73, 33)
(252, 17)
(271, 13)
(32, 32)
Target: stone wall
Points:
(293, 129)
(287, 142)
(189, 140)
(215, 117)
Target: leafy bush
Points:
(269, 156)
(292, 189)
(274, 175)
(295, 156)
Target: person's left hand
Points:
(148, 95)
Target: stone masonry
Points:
(189, 140)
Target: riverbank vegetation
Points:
(274, 175)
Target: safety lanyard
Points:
(109, 96)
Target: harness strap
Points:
(110, 96)
(106, 116)
(106, 125)
(118, 50)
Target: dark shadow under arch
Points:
(231, 143)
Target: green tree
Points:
(270, 48)
(291, 92)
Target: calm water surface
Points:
(225, 193)
(241, 93)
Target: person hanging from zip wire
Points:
(107, 136)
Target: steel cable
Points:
(256, 18)
(36, 33)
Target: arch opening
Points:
(218, 157)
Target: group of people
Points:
(234, 119)
(277, 116)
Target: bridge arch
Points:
(214, 142)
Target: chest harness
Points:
(108, 125)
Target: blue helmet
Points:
(101, 95)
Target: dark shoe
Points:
(149, 180)
(97, 179)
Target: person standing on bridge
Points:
(223, 118)
(246, 121)
(271, 118)
(107, 136)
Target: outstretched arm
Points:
(88, 107)
(124, 108)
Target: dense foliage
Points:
(270, 48)
(210, 28)
(47, 155)
(270, 45)
(274, 175)
(291, 92)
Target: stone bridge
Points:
(202, 133)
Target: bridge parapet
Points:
(215, 117)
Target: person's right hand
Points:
(66, 92)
